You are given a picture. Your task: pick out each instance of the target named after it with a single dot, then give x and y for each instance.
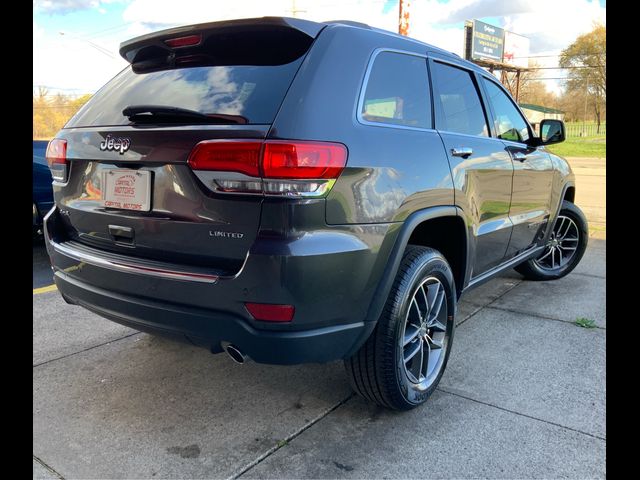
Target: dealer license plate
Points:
(127, 189)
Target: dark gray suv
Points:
(291, 191)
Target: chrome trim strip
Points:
(132, 267)
(208, 178)
(477, 137)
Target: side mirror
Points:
(551, 131)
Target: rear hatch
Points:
(128, 188)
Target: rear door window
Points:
(457, 101)
(248, 94)
(397, 91)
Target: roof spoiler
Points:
(191, 39)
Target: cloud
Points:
(554, 25)
(544, 21)
(550, 24)
(459, 11)
(199, 11)
(146, 16)
(146, 12)
(86, 68)
(63, 6)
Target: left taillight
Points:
(57, 159)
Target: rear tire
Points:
(565, 247)
(401, 363)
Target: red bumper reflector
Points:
(271, 313)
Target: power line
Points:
(550, 56)
(558, 68)
(102, 32)
(99, 48)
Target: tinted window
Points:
(398, 91)
(509, 123)
(458, 107)
(252, 93)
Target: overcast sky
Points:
(88, 32)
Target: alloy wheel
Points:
(562, 245)
(424, 338)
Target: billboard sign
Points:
(487, 42)
(516, 50)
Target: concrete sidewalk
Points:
(523, 396)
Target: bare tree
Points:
(586, 59)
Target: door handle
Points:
(463, 152)
(521, 157)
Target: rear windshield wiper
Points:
(164, 114)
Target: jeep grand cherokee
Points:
(292, 191)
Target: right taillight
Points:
(57, 159)
(303, 160)
(273, 167)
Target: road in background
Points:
(591, 191)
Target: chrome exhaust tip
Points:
(236, 354)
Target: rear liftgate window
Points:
(245, 87)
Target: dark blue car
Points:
(42, 191)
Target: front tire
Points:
(565, 247)
(401, 363)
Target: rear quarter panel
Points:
(390, 171)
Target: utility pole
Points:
(403, 17)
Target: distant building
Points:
(536, 113)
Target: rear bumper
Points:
(329, 280)
(208, 329)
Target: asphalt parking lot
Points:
(523, 396)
